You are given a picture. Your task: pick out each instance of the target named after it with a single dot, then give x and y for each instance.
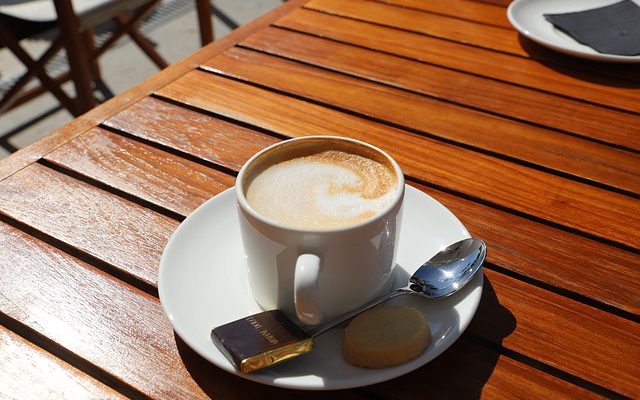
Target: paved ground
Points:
(174, 30)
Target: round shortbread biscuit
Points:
(385, 336)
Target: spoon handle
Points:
(313, 332)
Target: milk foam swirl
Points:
(327, 190)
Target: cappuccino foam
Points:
(331, 189)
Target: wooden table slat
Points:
(529, 191)
(551, 256)
(589, 343)
(498, 2)
(503, 67)
(461, 371)
(24, 364)
(604, 124)
(490, 14)
(567, 154)
(147, 173)
(215, 140)
(85, 218)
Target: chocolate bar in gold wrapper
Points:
(261, 340)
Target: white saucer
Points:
(202, 284)
(527, 17)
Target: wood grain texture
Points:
(586, 342)
(29, 372)
(507, 68)
(603, 124)
(459, 30)
(119, 329)
(496, 38)
(567, 154)
(467, 371)
(150, 174)
(564, 261)
(496, 2)
(533, 192)
(485, 13)
(118, 232)
(191, 132)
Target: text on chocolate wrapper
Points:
(263, 331)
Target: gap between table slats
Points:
(568, 156)
(24, 363)
(489, 14)
(502, 3)
(494, 38)
(604, 125)
(191, 139)
(84, 218)
(101, 300)
(147, 342)
(502, 67)
(546, 197)
(105, 327)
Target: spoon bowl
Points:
(450, 269)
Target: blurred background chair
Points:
(73, 23)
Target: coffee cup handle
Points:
(305, 293)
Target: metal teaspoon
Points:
(442, 275)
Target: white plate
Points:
(527, 17)
(202, 284)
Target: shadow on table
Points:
(590, 71)
(460, 372)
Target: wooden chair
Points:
(76, 20)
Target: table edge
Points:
(33, 152)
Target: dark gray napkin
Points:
(613, 29)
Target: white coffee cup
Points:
(317, 273)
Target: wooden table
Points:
(535, 152)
